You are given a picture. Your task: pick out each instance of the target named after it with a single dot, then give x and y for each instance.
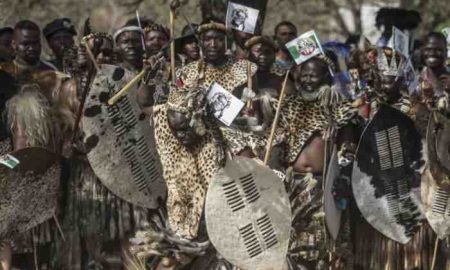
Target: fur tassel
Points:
(31, 111)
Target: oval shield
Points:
(29, 187)
(332, 213)
(386, 174)
(436, 200)
(248, 215)
(121, 142)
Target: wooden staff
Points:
(91, 55)
(436, 245)
(86, 90)
(126, 88)
(172, 44)
(249, 82)
(275, 120)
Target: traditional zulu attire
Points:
(62, 24)
(300, 121)
(232, 76)
(130, 28)
(375, 248)
(97, 218)
(188, 173)
(32, 122)
(187, 185)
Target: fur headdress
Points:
(193, 104)
(30, 111)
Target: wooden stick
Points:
(91, 55)
(126, 88)
(35, 255)
(249, 82)
(88, 86)
(275, 120)
(172, 45)
(59, 227)
(436, 245)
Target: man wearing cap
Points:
(186, 46)
(128, 40)
(6, 50)
(59, 34)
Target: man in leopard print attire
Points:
(233, 75)
(310, 120)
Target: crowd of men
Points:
(349, 127)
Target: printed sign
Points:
(411, 77)
(401, 42)
(242, 18)
(304, 47)
(225, 106)
(446, 32)
(9, 161)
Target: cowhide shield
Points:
(332, 212)
(386, 174)
(436, 200)
(29, 191)
(248, 215)
(121, 142)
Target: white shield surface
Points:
(121, 142)
(436, 205)
(248, 215)
(436, 200)
(386, 175)
(29, 191)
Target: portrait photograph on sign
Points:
(225, 106)
(242, 18)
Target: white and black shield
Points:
(121, 142)
(248, 215)
(436, 199)
(386, 174)
(29, 188)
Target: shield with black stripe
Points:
(387, 172)
(248, 215)
(120, 141)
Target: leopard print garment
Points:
(187, 174)
(238, 140)
(300, 119)
(230, 76)
(5, 147)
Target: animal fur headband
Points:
(260, 39)
(158, 28)
(99, 35)
(212, 26)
